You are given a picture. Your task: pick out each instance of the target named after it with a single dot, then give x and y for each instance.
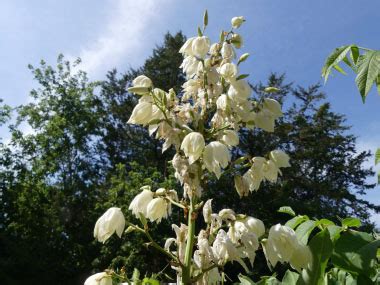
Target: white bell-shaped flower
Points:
(280, 158)
(193, 145)
(101, 278)
(141, 114)
(190, 66)
(273, 106)
(270, 171)
(228, 51)
(228, 71)
(255, 226)
(140, 203)
(142, 81)
(187, 48)
(200, 46)
(110, 222)
(301, 258)
(230, 138)
(157, 209)
(216, 156)
(239, 90)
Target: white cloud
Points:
(125, 36)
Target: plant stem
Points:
(186, 272)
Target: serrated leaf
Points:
(334, 59)
(368, 71)
(321, 247)
(294, 222)
(356, 252)
(339, 69)
(377, 156)
(242, 76)
(354, 54)
(287, 210)
(351, 222)
(304, 230)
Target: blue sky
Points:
(293, 36)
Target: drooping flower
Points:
(140, 203)
(101, 278)
(200, 46)
(187, 48)
(142, 81)
(227, 51)
(110, 222)
(216, 156)
(157, 209)
(237, 21)
(239, 90)
(141, 114)
(230, 138)
(255, 225)
(193, 145)
(241, 185)
(280, 158)
(283, 246)
(228, 71)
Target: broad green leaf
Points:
(351, 222)
(150, 281)
(377, 156)
(294, 222)
(326, 222)
(356, 252)
(287, 210)
(290, 278)
(321, 247)
(339, 69)
(334, 59)
(304, 230)
(368, 71)
(354, 54)
(334, 232)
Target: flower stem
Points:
(186, 272)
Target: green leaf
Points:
(377, 156)
(321, 247)
(326, 222)
(245, 280)
(304, 230)
(356, 252)
(200, 32)
(222, 36)
(354, 54)
(351, 222)
(368, 71)
(334, 59)
(290, 278)
(287, 210)
(205, 19)
(294, 222)
(378, 84)
(334, 232)
(339, 69)
(242, 76)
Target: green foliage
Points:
(366, 65)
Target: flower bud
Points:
(227, 215)
(241, 186)
(237, 21)
(255, 225)
(140, 203)
(110, 222)
(237, 40)
(193, 145)
(214, 49)
(101, 278)
(207, 211)
(157, 209)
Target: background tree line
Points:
(81, 157)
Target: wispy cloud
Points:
(125, 37)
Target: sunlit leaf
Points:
(368, 71)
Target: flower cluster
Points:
(202, 123)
